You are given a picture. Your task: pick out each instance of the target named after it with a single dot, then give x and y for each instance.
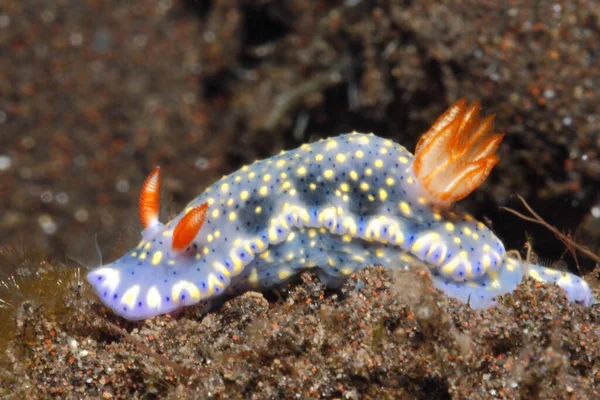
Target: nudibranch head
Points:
(456, 154)
(152, 278)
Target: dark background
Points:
(94, 94)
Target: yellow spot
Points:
(224, 188)
(301, 171)
(312, 186)
(475, 235)
(157, 257)
(205, 250)
(405, 208)
(345, 187)
(266, 255)
(244, 194)
(449, 226)
(232, 216)
(403, 160)
(283, 175)
(383, 150)
(290, 256)
(450, 266)
(340, 157)
(550, 271)
(368, 172)
(319, 157)
(358, 258)
(215, 213)
(272, 234)
(237, 262)
(359, 154)
(293, 192)
(564, 280)
(238, 178)
(422, 200)
(389, 181)
(153, 298)
(209, 238)
(370, 197)
(284, 273)
(230, 202)
(143, 256)
(286, 185)
(383, 194)
(363, 140)
(535, 275)
(291, 237)
(245, 168)
(210, 201)
(147, 246)
(331, 262)
(437, 216)
(388, 143)
(133, 254)
(379, 253)
(331, 144)
(486, 261)
(353, 175)
(456, 240)
(347, 271)
(280, 163)
(328, 173)
(410, 180)
(130, 296)
(347, 238)
(364, 186)
(212, 282)
(430, 238)
(467, 231)
(263, 190)
(187, 286)
(378, 163)
(486, 247)
(253, 278)
(221, 268)
(267, 177)
(511, 264)
(312, 233)
(251, 175)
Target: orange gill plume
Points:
(456, 154)
(150, 199)
(188, 227)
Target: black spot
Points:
(249, 219)
(359, 203)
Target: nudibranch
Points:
(337, 205)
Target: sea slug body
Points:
(337, 205)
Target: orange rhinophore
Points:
(457, 153)
(188, 227)
(150, 199)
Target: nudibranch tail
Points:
(188, 227)
(457, 153)
(150, 199)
